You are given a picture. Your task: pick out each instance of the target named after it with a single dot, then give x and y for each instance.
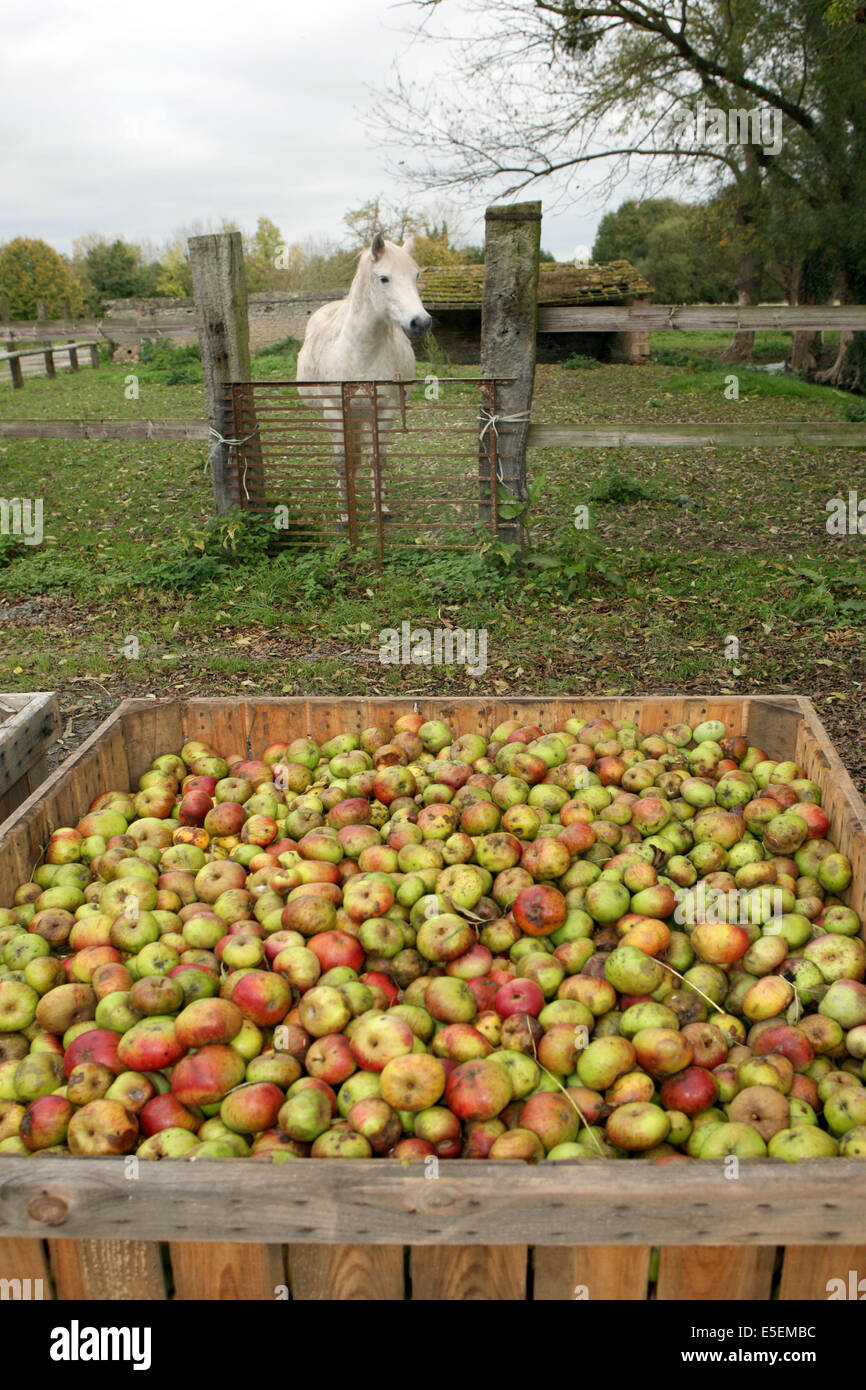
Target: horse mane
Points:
(363, 260)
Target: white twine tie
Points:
(234, 444)
(490, 422)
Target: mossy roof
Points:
(460, 286)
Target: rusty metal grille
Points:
(421, 472)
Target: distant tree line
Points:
(687, 251)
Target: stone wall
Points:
(276, 316)
(272, 316)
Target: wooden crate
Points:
(342, 1229)
(29, 724)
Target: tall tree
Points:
(31, 270)
(174, 275)
(378, 215)
(266, 242)
(116, 271)
(562, 87)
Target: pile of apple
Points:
(587, 943)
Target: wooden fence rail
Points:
(777, 435)
(623, 436)
(44, 330)
(163, 430)
(49, 354)
(104, 331)
(656, 318)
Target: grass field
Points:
(685, 550)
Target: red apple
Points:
(518, 996)
(337, 948)
(205, 1021)
(150, 1045)
(98, 1045)
(166, 1112)
(329, 1058)
(709, 1044)
(541, 909)
(251, 1108)
(194, 808)
(478, 1090)
(692, 1090)
(378, 1039)
(45, 1122)
(204, 1077)
(262, 996)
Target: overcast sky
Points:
(137, 120)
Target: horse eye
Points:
(384, 279)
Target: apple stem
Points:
(42, 853)
(471, 917)
(556, 1081)
(712, 1003)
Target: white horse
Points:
(365, 337)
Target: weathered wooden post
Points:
(16, 370)
(48, 356)
(509, 312)
(73, 357)
(94, 355)
(220, 290)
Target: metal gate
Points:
(384, 463)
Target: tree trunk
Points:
(804, 348)
(846, 369)
(804, 353)
(836, 374)
(804, 356)
(742, 344)
(749, 274)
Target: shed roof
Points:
(559, 282)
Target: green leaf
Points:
(544, 561)
(536, 487)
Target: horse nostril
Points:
(421, 323)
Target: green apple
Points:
(737, 1138)
(803, 1141)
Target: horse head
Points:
(393, 285)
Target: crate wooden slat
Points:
(107, 1269)
(26, 1260)
(29, 724)
(809, 1268)
(712, 1272)
(236, 1271)
(362, 1273)
(505, 1230)
(456, 1273)
(577, 1272)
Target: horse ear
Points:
(378, 248)
(409, 246)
